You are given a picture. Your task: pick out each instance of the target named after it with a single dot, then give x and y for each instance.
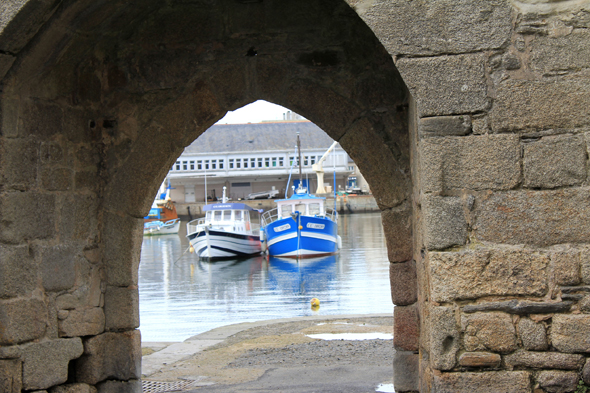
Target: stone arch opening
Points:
(99, 100)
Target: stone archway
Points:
(101, 101)
(491, 159)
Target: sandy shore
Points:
(238, 355)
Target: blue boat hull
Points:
(301, 236)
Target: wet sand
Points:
(242, 356)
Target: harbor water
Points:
(181, 296)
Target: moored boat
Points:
(162, 218)
(154, 228)
(226, 231)
(300, 226)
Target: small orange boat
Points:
(162, 218)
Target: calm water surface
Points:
(181, 296)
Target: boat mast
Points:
(205, 183)
(224, 198)
(299, 151)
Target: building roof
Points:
(281, 135)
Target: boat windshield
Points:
(218, 215)
(227, 215)
(285, 211)
(300, 208)
(208, 216)
(238, 215)
(314, 209)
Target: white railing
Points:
(271, 216)
(191, 227)
(332, 214)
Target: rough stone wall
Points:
(493, 289)
(501, 206)
(98, 98)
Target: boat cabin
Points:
(162, 211)
(234, 215)
(305, 204)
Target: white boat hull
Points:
(211, 243)
(170, 228)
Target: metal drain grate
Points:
(163, 387)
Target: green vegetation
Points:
(582, 387)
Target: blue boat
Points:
(154, 228)
(300, 226)
(302, 276)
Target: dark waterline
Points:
(181, 296)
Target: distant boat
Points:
(301, 226)
(226, 231)
(154, 228)
(162, 218)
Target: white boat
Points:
(155, 228)
(226, 231)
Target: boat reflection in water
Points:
(306, 276)
(181, 296)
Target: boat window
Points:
(238, 214)
(238, 163)
(245, 163)
(206, 164)
(220, 164)
(208, 216)
(286, 211)
(252, 162)
(227, 215)
(305, 160)
(199, 164)
(274, 161)
(260, 163)
(246, 216)
(281, 162)
(192, 165)
(300, 208)
(217, 215)
(231, 163)
(314, 209)
(267, 162)
(184, 165)
(213, 164)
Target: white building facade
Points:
(255, 158)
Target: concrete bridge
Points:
(470, 119)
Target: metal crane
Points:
(319, 170)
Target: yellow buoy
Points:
(191, 249)
(315, 302)
(300, 227)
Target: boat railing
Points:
(269, 217)
(332, 214)
(192, 226)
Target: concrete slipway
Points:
(278, 356)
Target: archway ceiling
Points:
(138, 58)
